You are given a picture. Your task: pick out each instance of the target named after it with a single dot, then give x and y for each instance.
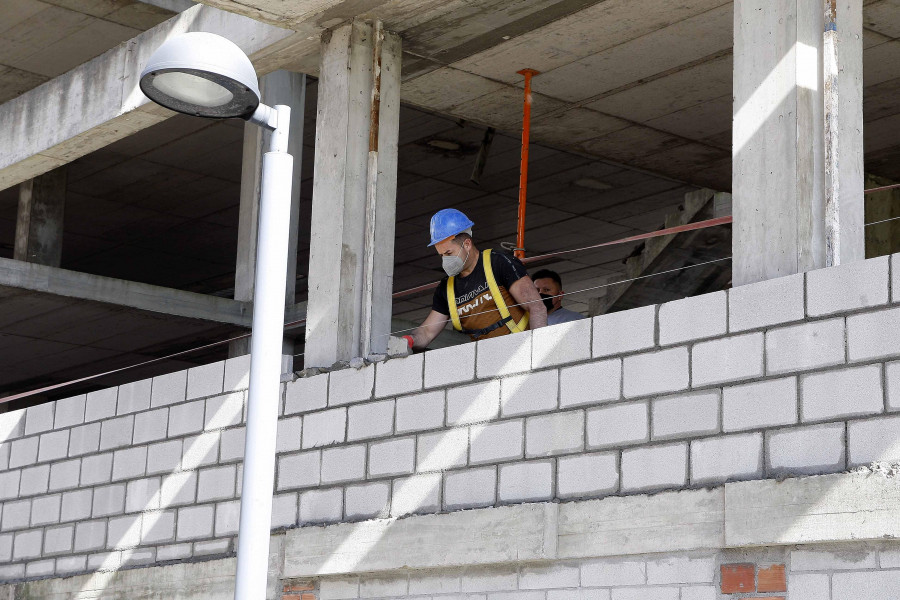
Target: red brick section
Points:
(769, 598)
(771, 579)
(295, 591)
(738, 578)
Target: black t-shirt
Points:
(507, 270)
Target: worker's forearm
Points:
(537, 316)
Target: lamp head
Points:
(202, 74)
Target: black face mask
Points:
(548, 301)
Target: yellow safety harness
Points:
(505, 317)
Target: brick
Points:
(142, 495)
(655, 467)
(237, 374)
(399, 375)
(339, 589)
(420, 412)
(842, 393)
(755, 405)
(39, 418)
(226, 410)
(215, 547)
(418, 494)
(84, 439)
(306, 394)
(809, 587)
(771, 579)
(105, 562)
(873, 335)
(503, 355)
(806, 450)
(609, 573)
(34, 480)
(587, 475)
(194, 522)
(27, 544)
(550, 576)
(16, 515)
(158, 527)
(205, 380)
(116, 433)
(766, 303)
(729, 458)
(578, 594)
(647, 593)
(470, 488)
(217, 483)
(284, 510)
(895, 278)
(526, 482)
(559, 433)
(678, 320)
(109, 500)
(392, 457)
(69, 412)
(805, 346)
(377, 587)
(442, 450)
(655, 373)
(100, 404)
(529, 393)
(168, 389)
(130, 462)
(368, 501)
(892, 378)
(164, 457)
(343, 464)
(496, 442)
(76, 505)
(371, 420)
(815, 560)
(685, 415)
(681, 570)
(90, 535)
(289, 436)
(728, 359)
(489, 579)
(350, 385)
(737, 578)
(873, 440)
(618, 425)
(134, 397)
(624, 331)
(324, 428)
(150, 426)
(10, 572)
(71, 564)
(593, 383)
(888, 558)
(321, 506)
(473, 403)
(96, 469)
(123, 532)
(40, 568)
(561, 344)
(12, 424)
(299, 470)
(451, 365)
(186, 418)
(228, 518)
(200, 450)
(4, 456)
(231, 444)
(860, 284)
(24, 452)
(64, 475)
(178, 489)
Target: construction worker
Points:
(485, 294)
(549, 285)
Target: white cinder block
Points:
(442, 450)
(134, 397)
(380, 587)
(842, 393)
(219, 547)
(71, 564)
(39, 418)
(729, 458)
(186, 418)
(76, 505)
(874, 335)
(58, 539)
(324, 428)
(504, 355)
(610, 573)
(158, 527)
(237, 374)
(339, 589)
(368, 501)
(69, 412)
(129, 462)
(195, 522)
(699, 592)
(392, 457)
(371, 420)
(763, 404)
(418, 494)
(123, 532)
(656, 372)
(96, 469)
(558, 433)
(343, 464)
(445, 581)
(306, 394)
(678, 320)
(685, 415)
(825, 560)
(284, 510)
(350, 385)
(892, 378)
(168, 389)
(200, 450)
(681, 569)
(851, 286)
(526, 482)
(164, 457)
(231, 444)
(471, 488)
(289, 434)
(228, 518)
(205, 380)
(895, 277)
(109, 500)
(489, 579)
(496, 442)
(16, 515)
(587, 475)
(727, 359)
(4, 456)
(217, 483)
(766, 303)
(873, 440)
(809, 586)
(625, 331)
(321, 506)
(27, 544)
(579, 594)
(90, 535)
(399, 375)
(655, 467)
(618, 425)
(529, 393)
(473, 403)
(12, 424)
(561, 344)
(151, 425)
(178, 489)
(805, 346)
(806, 450)
(549, 576)
(646, 593)
(34, 480)
(889, 558)
(65, 474)
(24, 452)
(84, 439)
(446, 366)
(141, 495)
(116, 433)
(226, 410)
(592, 383)
(420, 411)
(100, 404)
(299, 470)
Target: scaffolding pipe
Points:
(523, 174)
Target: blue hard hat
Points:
(447, 223)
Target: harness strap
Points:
(505, 316)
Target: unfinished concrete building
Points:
(725, 423)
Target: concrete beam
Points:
(39, 222)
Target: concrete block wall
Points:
(793, 376)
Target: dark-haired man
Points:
(549, 285)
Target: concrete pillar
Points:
(39, 222)
(779, 159)
(354, 195)
(279, 87)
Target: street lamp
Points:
(205, 75)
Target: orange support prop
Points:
(523, 176)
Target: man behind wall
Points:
(467, 292)
(549, 285)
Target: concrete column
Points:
(279, 87)
(354, 195)
(39, 222)
(778, 178)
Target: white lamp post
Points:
(205, 75)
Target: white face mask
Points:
(453, 265)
